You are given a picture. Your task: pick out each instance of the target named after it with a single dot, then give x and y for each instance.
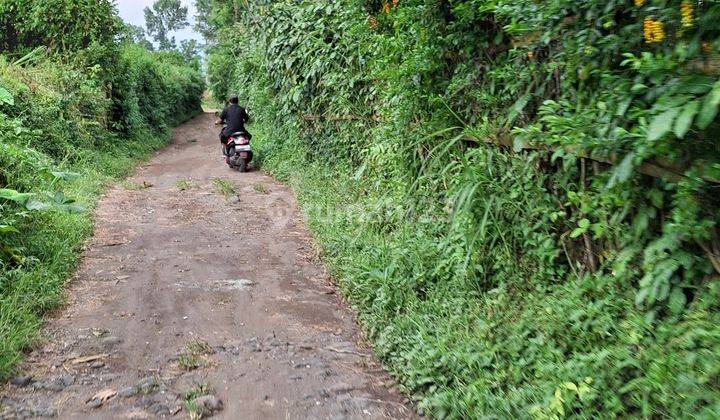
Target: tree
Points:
(214, 15)
(190, 50)
(203, 23)
(135, 34)
(164, 17)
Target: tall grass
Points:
(470, 301)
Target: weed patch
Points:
(186, 184)
(195, 355)
(260, 188)
(133, 186)
(197, 390)
(224, 187)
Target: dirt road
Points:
(188, 299)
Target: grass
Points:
(186, 184)
(517, 337)
(260, 188)
(195, 355)
(224, 187)
(197, 390)
(130, 185)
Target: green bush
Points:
(517, 278)
(155, 90)
(60, 25)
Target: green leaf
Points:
(622, 171)
(35, 205)
(684, 120)
(8, 229)
(12, 195)
(709, 108)
(64, 175)
(662, 124)
(571, 386)
(577, 232)
(677, 300)
(6, 97)
(584, 223)
(517, 107)
(72, 208)
(637, 87)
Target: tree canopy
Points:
(164, 17)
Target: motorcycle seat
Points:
(237, 134)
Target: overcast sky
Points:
(132, 12)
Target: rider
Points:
(235, 117)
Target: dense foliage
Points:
(441, 151)
(164, 17)
(70, 116)
(61, 25)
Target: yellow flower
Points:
(686, 14)
(395, 3)
(386, 7)
(530, 55)
(653, 30)
(659, 31)
(639, 3)
(648, 30)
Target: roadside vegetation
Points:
(520, 198)
(195, 355)
(80, 104)
(224, 187)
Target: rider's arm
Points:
(221, 118)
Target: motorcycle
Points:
(238, 152)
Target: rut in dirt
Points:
(201, 294)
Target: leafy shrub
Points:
(61, 25)
(519, 280)
(156, 90)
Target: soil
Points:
(187, 294)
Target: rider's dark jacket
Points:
(235, 117)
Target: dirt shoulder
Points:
(200, 292)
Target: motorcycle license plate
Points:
(245, 148)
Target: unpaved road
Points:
(184, 288)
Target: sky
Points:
(131, 11)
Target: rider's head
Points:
(233, 99)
